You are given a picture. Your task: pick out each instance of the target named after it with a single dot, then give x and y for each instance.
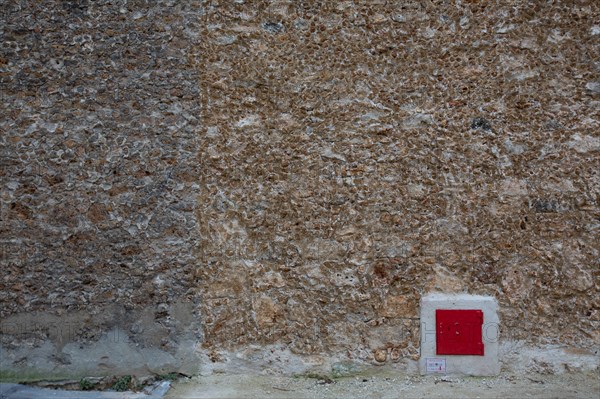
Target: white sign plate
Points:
(436, 365)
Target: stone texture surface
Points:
(99, 168)
(299, 173)
(357, 155)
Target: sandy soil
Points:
(387, 385)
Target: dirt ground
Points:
(387, 385)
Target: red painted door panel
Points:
(458, 332)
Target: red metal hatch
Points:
(458, 332)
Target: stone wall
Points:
(357, 156)
(246, 174)
(100, 140)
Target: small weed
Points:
(122, 384)
(86, 385)
(169, 376)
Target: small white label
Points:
(435, 365)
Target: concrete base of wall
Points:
(457, 364)
(113, 354)
(115, 341)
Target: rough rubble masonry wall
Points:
(100, 174)
(359, 154)
(299, 173)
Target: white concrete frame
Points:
(486, 365)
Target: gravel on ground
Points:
(385, 385)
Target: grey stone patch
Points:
(593, 87)
(301, 24)
(418, 120)
(226, 39)
(553, 125)
(514, 149)
(273, 27)
(541, 205)
(481, 123)
(328, 153)
(584, 144)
